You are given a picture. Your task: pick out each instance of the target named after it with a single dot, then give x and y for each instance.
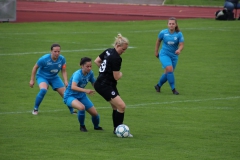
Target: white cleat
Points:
(130, 135)
(35, 112)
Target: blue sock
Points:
(81, 117)
(171, 80)
(162, 80)
(39, 98)
(71, 109)
(95, 121)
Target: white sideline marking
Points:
(80, 50)
(148, 104)
(133, 31)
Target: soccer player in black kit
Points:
(109, 63)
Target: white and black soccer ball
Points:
(122, 131)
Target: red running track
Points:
(66, 11)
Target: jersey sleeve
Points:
(101, 56)
(41, 62)
(63, 63)
(116, 64)
(91, 78)
(160, 35)
(181, 38)
(76, 77)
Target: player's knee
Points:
(169, 69)
(121, 107)
(81, 107)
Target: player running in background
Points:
(172, 46)
(109, 63)
(46, 71)
(75, 94)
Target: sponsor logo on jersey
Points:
(170, 42)
(49, 63)
(54, 71)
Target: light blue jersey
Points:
(48, 68)
(170, 42)
(81, 80)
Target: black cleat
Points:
(74, 112)
(157, 88)
(114, 130)
(99, 128)
(175, 92)
(83, 129)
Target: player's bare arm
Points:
(117, 75)
(98, 61)
(34, 71)
(158, 42)
(180, 48)
(79, 89)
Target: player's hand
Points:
(31, 83)
(157, 55)
(66, 84)
(89, 91)
(177, 52)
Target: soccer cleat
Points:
(114, 130)
(157, 88)
(99, 128)
(83, 128)
(130, 135)
(35, 112)
(175, 92)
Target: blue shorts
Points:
(84, 100)
(168, 61)
(55, 83)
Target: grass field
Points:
(202, 123)
(176, 2)
(196, 3)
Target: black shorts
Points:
(108, 92)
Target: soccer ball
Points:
(122, 131)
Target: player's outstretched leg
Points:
(38, 100)
(81, 120)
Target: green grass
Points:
(202, 123)
(178, 2)
(195, 2)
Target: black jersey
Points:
(111, 61)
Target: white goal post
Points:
(8, 10)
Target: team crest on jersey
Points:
(113, 93)
(59, 65)
(175, 38)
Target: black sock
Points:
(119, 117)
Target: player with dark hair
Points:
(75, 94)
(46, 71)
(172, 46)
(109, 63)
